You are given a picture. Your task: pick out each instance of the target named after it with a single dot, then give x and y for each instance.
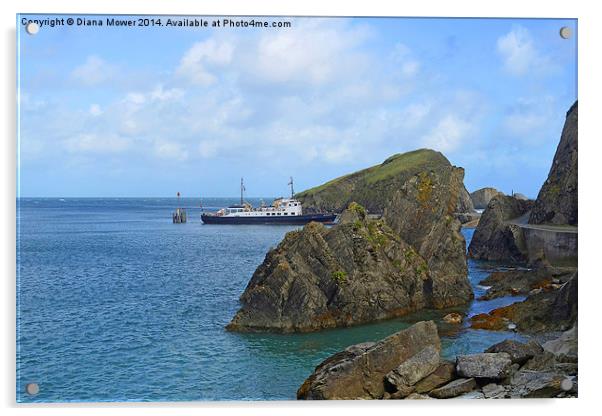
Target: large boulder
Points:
(557, 199)
(519, 352)
(355, 272)
(359, 373)
(484, 365)
(496, 237)
(481, 197)
(444, 373)
(414, 369)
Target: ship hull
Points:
(283, 220)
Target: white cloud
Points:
(95, 143)
(195, 65)
(314, 51)
(208, 148)
(170, 150)
(448, 134)
(94, 71)
(519, 54)
(95, 110)
(402, 55)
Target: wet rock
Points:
(489, 322)
(523, 282)
(519, 352)
(545, 311)
(484, 365)
(454, 388)
(481, 197)
(414, 369)
(557, 199)
(496, 238)
(358, 373)
(453, 318)
(444, 373)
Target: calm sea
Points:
(116, 303)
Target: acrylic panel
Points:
(282, 208)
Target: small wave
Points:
(484, 287)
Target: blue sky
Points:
(152, 111)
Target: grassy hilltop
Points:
(372, 187)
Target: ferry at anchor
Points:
(282, 211)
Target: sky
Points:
(151, 111)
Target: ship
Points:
(287, 211)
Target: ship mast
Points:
(292, 190)
(242, 190)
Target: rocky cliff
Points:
(495, 237)
(481, 197)
(355, 272)
(557, 199)
(372, 187)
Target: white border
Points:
(590, 72)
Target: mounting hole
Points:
(32, 389)
(32, 28)
(565, 32)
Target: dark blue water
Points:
(116, 303)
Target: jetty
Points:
(179, 216)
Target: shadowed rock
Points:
(495, 238)
(519, 352)
(557, 199)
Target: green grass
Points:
(395, 165)
(339, 276)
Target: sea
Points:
(115, 303)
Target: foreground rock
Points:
(518, 352)
(406, 365)
(481, 197)
(495, 237)
(484, 365)
(454, 388)
(355, 272)
(359, 373)
(557, 199)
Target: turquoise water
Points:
(116, 303)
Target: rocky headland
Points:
(407, 365)
(481, 197)
(365, 269)
(372, 187)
